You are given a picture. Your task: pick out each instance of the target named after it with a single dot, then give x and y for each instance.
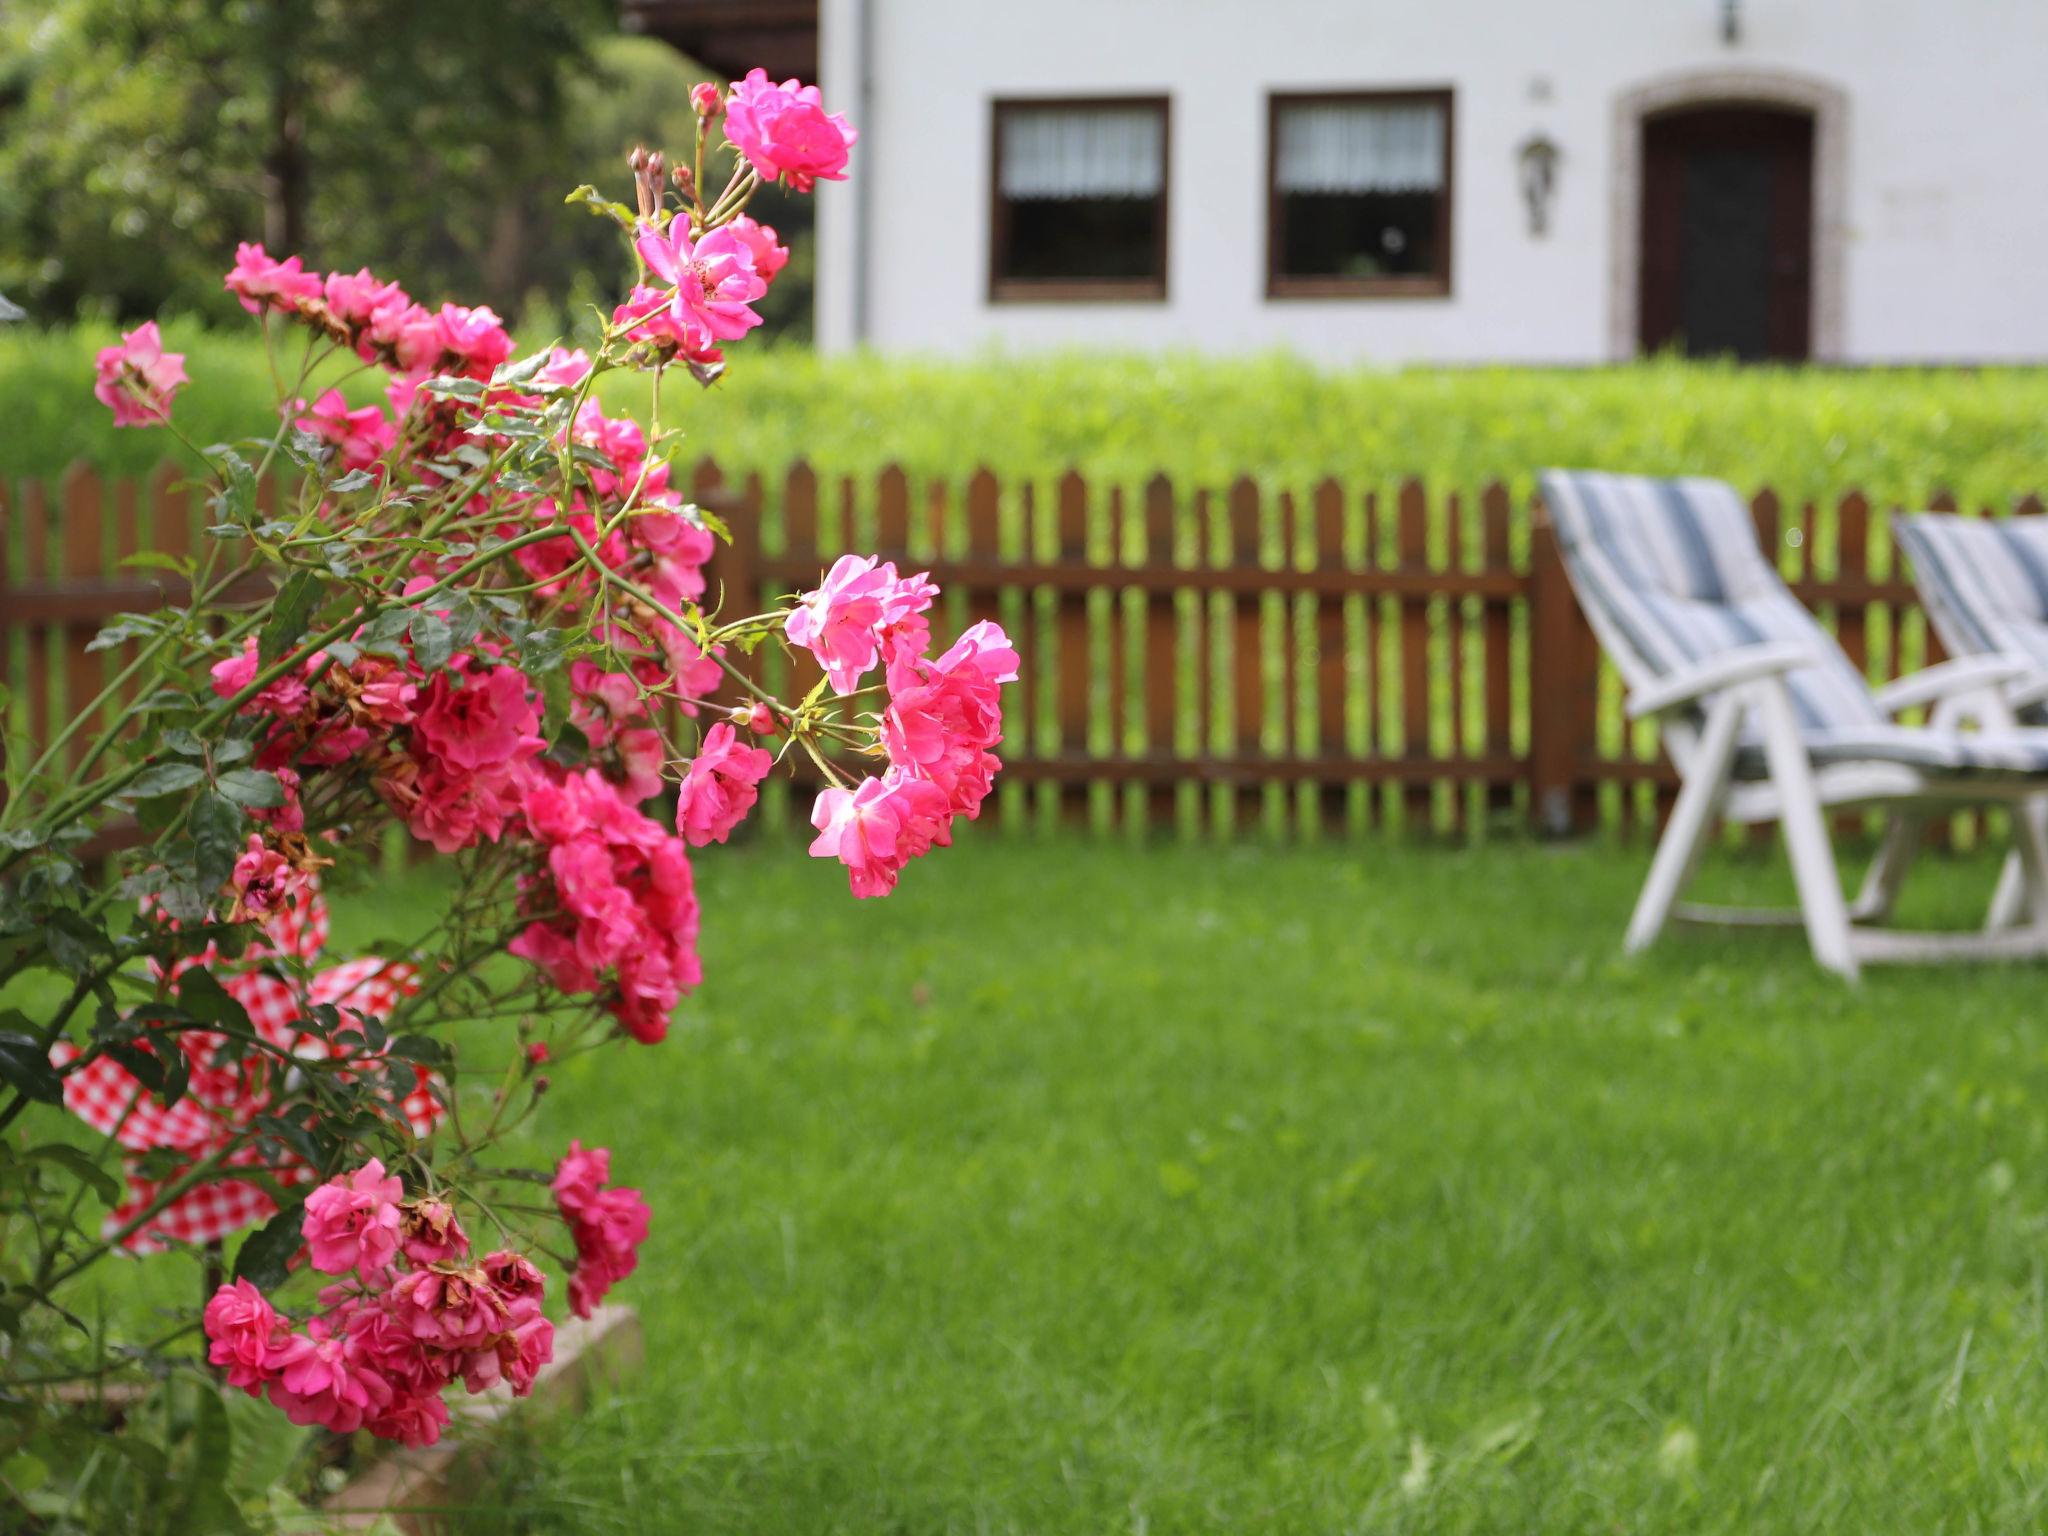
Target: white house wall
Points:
(1944, 191)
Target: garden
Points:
(610, 925)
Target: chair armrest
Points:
(1946, 679)
(1772, 658)
(2025, 693)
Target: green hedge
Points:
(1897, 434)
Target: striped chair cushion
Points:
(1985, 583)
(1670, 573)
(1944, 754)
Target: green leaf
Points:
(290, 613)
(204, 999)
(74, 942)
(75, 1161)
(268, 1249)
(128, 626)
(204, 1500)
(433, 641)
(25, 1066)
(263, 1445)
(146, 1065)
(423, 1049)
(543, 650)
(165, 779)
(236, 499)
(354, 480)
(217, 824)
(156, 559)
(514, 374)
(252, 788)
(453, 389)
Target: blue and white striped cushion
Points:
(1674, 568)
(2021, 753)
(1985, 583)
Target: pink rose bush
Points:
(411, 1314)
(483, 621)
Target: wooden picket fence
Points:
(1329, 658)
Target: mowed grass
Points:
(1078, 1188)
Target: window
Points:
(1359, 195)
(1079, 199)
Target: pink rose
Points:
(320, 1381)
(137, 379)
(475, 340)
(770, 255)
(713, 279)
(719, 787)
(706, 99)
(428, 1232)
(260, 283)
(838, 622)
(476, 722)
(608, 1225)
(362, 436)
(784, 131)
(352, 1221)
(447, 1308)
(876, 829)
(244, 1334)
(263, 880)
(355, 300)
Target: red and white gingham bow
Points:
(227, 1091)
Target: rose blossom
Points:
(263, 879)
(706, 99)
(285, 696)
(770, 255)
(713, 278)
(136, 379)
(609, 1225)
(838, 621)
(472, 722)
(319, 1381)
(355, 299)
(362, 436)
(784, 131)
(719, 787)
(428, 1232)
(878, 828)
(352, 1221)
(260, 282)
(245, 1334)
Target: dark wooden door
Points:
(1727, 237)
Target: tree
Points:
(140, 139)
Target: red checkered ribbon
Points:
(227, 1090)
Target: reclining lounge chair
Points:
(1766, 720)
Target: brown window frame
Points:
(1003, 289)
(1431, 285)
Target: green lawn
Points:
(1352, 1188)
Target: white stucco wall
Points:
(1945, 191)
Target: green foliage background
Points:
(1898, 435)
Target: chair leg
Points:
(2009, 900)
(2030, 853)
(1887, 871)
(1806, 832)
(1699, 797)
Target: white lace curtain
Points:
(1361, 146)
(1057, 154)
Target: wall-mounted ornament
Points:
(1536, 163)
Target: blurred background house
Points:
(1465, 180)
